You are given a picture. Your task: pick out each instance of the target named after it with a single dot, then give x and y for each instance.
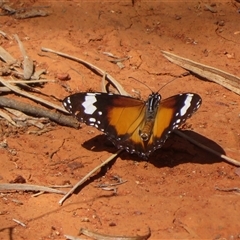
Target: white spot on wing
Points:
(92, 120)
(93, 94)
(68, 104)
(178, 121)
(69, 100)
(89, 108)
(187, 104)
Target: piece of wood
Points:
(39, 112)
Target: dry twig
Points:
(72, 237)
(39, 112)
(100, 236)
(222, 156)
(19, 222)
(28, 187)
(235, 189)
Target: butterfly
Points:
(137, 126)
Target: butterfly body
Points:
(137, 126)
(150, 115)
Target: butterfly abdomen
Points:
(146, 132)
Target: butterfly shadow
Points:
(178, 150)
(175, 151)
(99, 143)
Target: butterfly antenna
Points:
(142, 83)
(184, 74)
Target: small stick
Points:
(235, 189)
(5, 89)
(61, 186)
(16, 201)
(100, 236)
(84, 179)
(23, 93)
(116, 60)
(72, 237)
(110, 184)
(37, 194)
(7, 117)
(114, 189)
(103, 85)
(6, 56)
(222, 156)
(40, 112)
(91, 66)
(18, 222)
(189, 230)
(28, 187)
(32, 81)
(4, 34)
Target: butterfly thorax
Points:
(151, 110)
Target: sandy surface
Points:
(174, 192)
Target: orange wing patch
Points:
(126, 122)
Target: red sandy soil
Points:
(173, 192)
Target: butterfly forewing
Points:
(116, 115)
(172, 112)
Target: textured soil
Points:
(174, 192)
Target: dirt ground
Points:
(173, 193)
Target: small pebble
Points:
(19, 179)
(63, 76)
(237, 171)
(112, 224)
(85, 219)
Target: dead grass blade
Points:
(6, 56)
(92, 67)
(225, 79)
(8, 118)
(27, 61)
